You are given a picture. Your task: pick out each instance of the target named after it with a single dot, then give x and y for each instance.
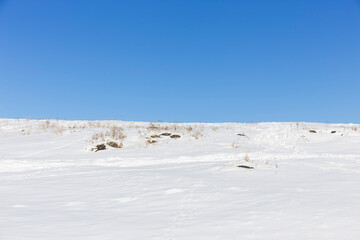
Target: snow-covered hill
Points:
(297, 180)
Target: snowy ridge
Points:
(303, 185)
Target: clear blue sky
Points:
(184, 60)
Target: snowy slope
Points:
(303, 185)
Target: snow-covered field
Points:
(303, 185)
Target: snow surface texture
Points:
(303, 185)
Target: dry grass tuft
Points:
(215, 128)
(160, 127)
(189, 129)
(246, 158)
(235, 145)
(197, 135)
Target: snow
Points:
(303, 186)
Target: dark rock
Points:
(114, 145)
(100, 147)
(155, 136)
(333, 131)
(151, 141)
(312, 131)
(241, 134)
(244, 166)
(175, 136)
(165, 134)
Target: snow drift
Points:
(297, 180)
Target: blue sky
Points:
(184, 61)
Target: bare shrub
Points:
(94, 124)
(98, 137)
(161, 127)
(54, 127)
(136, 126)
(116, 133)
(58, 130)
(45, 126)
